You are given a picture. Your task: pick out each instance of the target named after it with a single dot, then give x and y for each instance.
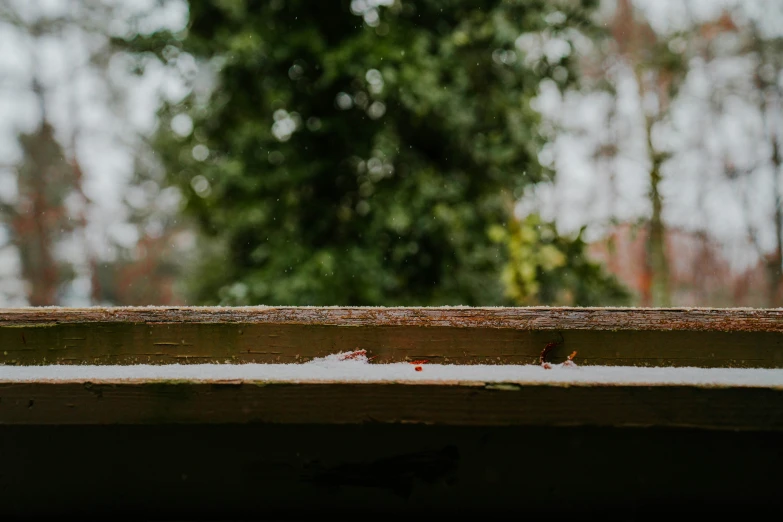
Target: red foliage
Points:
(356, 354)
(548, 348)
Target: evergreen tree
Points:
(364, 154)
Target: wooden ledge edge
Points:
(504, 385)
(525, 318)
(462, 404)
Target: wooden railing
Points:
(408, 446)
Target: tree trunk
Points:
(774, 260)
(657, 263)
(41, 271)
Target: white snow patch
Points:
(355, 367)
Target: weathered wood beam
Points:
(438, 403)
(603, 336)
(521, 318)
(280, 449)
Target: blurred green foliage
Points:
(545, 267)
(356, 154)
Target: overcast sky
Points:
(697, 196)
(78, 99)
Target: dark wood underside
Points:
(385, 472)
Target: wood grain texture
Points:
(260, 450)
(520, 318)
(458, 404)
(606, 336)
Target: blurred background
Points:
(391, 152)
